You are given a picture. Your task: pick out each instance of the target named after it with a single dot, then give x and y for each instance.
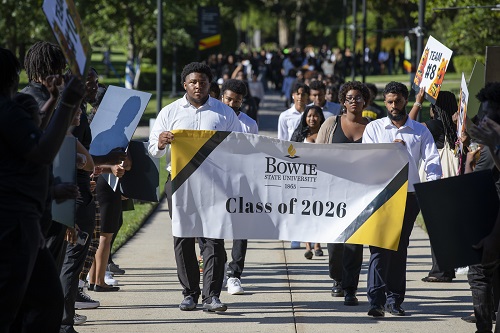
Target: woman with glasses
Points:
(345, 260)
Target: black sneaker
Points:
(376, 311)
(115, 269)
(84, 301)
(187, 304)
(215, 306)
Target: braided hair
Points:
(44, 59)
(446, 105)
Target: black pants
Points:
(438, 272)
(188, 271)
(31, 298)
(387, 269)
(480, 279)
(75, 257)
(238, 254)
(344, 264)
(56, 244)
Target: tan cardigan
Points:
(325, 134)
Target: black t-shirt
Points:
(23, 184)
(38, 91)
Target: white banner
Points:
(245, 186)
(462, 114)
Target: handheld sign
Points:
(431, 69)
(462, 110)
(70, 34)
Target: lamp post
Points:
(159, 56)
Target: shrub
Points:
(465, 63)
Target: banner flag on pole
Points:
(245, 186)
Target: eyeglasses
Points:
(356, 99)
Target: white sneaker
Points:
(109, 280)
(462, 270)
(234, 286)
(79, 319)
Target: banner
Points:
(246, 186)
(431, 69)
(70, 34)
(462, 110)
(209, 28)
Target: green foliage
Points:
(465, 31)
(465, 63)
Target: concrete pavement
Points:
(284, 292)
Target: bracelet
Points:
(72, 106)
(419, 105)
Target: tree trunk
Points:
(283, 31)
(299, 15)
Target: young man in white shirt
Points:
(233, 92)
(318, 97)
(195, 110)
(387, 269)
(289, 119)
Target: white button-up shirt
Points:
(213, 115)
(248, 125)
(418, 141)
(287, 123)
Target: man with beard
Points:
(387, 269)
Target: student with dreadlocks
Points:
(44, 64)
(443, 131)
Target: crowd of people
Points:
(45, 261)
(47, 264)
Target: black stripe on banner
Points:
(198, 159)
(376, 203)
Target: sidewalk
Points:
(284, 292)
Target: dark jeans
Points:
(188, 270)
(344, 264)
(387, 269)
(31, 298)
(481, 284)
(75, 257)
(238, 254)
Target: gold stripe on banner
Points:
(209, 42)
(193, 147)
(381, 222)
